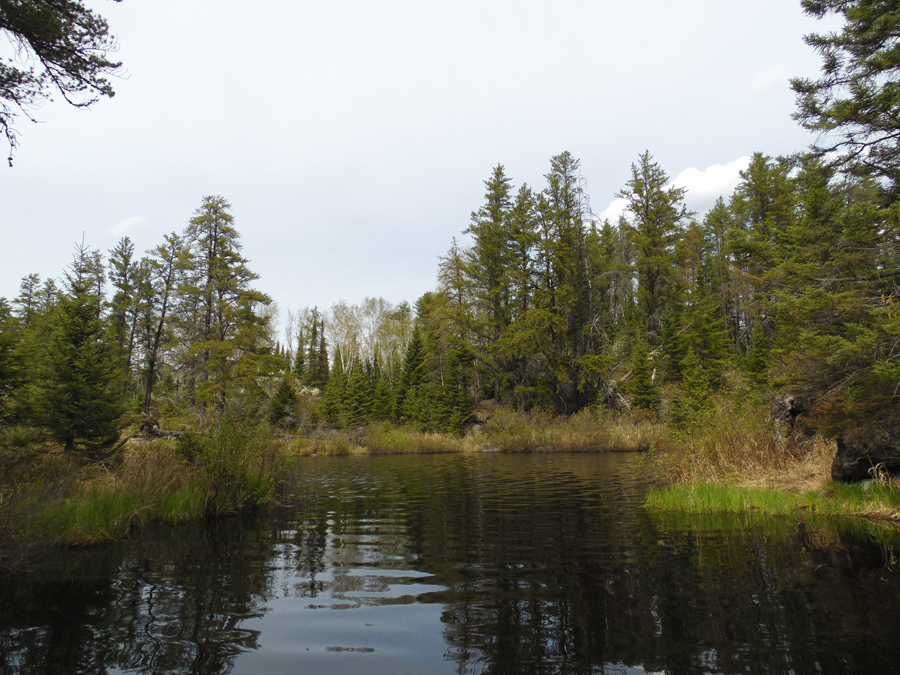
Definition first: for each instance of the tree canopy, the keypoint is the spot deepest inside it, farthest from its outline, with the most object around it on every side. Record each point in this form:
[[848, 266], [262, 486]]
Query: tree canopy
[[61, 46], [855, 104]]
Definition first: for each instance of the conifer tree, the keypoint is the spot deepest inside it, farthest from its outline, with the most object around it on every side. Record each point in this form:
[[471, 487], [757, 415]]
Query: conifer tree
[[359, 397], [281, 406], [657, 211], [757, 359], [299, 367], [11, 368], [78, 399], [407, 403], [642, 386], [334, 398], [692, 404]]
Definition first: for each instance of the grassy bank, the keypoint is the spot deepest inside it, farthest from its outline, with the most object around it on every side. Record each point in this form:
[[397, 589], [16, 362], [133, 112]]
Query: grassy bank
[[591, 430], [876, 501], [47, 496], [742, 460]]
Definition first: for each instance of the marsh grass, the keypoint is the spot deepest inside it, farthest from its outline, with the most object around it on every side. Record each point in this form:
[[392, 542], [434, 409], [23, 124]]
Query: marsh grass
[[382, 439], [870, 501], [148, 481], [743, 461], [590, 430], [742, 444], [228, 470]]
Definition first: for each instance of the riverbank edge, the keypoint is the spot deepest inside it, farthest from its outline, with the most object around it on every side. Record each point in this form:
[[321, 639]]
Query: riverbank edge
[[872, 500], [53, 499]]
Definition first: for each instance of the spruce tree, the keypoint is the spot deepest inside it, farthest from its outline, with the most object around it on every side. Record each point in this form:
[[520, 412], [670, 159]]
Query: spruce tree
[[642, 387], [281, 406], [692, 404], [79, 399], [334, 397], [11, 369], [758, 358]]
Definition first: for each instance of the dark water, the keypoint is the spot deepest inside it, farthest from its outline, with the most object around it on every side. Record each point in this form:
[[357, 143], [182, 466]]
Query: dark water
[[463, 564]]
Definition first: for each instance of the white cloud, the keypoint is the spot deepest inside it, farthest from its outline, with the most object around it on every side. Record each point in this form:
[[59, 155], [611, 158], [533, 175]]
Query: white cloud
[[121, 228], [613, 211], [703, 187], [718, 180]]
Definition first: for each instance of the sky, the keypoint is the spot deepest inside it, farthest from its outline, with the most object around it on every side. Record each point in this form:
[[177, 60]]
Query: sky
[[353, 137]]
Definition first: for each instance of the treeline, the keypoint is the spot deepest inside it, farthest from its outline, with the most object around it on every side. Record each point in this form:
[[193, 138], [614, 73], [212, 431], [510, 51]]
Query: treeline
[[791, 282], [181, 329]]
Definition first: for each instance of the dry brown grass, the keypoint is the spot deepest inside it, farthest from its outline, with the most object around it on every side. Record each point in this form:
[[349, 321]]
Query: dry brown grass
[[145, 468], [591, 430], [744, 446]]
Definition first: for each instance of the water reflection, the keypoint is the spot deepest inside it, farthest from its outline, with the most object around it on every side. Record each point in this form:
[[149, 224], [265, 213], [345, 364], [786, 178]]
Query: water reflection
[[483, 564]]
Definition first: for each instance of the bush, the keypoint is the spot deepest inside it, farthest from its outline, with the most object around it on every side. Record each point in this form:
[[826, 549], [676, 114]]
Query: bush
[[234, 466]]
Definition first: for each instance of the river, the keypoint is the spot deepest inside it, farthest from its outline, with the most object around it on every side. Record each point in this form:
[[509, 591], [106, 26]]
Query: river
[[490, 563]]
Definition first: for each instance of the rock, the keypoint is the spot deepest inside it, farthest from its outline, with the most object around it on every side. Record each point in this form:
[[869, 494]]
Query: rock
[[795, 412], [859, 451]]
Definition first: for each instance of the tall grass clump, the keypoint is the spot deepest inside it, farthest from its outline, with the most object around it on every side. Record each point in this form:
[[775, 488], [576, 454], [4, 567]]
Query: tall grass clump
[[388, 439], [878, 500], [589, 430], [107, 501], [741, 442]]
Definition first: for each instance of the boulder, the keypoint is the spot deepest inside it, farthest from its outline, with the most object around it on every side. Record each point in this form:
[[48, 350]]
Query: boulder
[[860, 451], [794, 411]]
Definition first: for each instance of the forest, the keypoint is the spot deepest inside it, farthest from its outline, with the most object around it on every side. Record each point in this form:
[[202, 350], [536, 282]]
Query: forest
[[789, 284], [780, 303]]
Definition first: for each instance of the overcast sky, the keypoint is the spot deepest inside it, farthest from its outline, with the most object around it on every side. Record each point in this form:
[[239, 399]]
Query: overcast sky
[[352, 137]]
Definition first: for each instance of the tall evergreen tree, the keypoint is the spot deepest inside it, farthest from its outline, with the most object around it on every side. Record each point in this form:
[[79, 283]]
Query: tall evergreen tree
[[657, 212], [78, 398]]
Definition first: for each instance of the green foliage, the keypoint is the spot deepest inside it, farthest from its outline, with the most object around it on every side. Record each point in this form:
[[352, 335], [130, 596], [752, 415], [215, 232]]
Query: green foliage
[[657, 211], [11, 370], [64, 45], [77, 396], [233, 465], [642, 386], [854, 105], [281, 406], [758, 358], [692, 402], [880, 500]]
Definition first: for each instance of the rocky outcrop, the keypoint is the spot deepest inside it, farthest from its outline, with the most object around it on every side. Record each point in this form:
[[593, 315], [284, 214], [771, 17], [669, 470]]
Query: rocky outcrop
[[861, 451], [795, 412]]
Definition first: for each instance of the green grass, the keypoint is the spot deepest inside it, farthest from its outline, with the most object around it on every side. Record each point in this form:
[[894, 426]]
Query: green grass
[[100, 515], [876, 501]]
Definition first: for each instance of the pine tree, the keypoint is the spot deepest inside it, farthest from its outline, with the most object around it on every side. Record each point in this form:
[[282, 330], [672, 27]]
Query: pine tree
[[409, 392], [359, 397], [692, 404], [11, 368], [853, 108], [455, 394], [281, 406], [657, 211], [334, 397], [642, 387], [79, 400], [758, 358]]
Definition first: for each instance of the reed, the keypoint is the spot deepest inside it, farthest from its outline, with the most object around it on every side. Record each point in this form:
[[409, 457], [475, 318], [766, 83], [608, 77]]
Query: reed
[[590, 430], [876, 501], [383, 439], [742, 444]]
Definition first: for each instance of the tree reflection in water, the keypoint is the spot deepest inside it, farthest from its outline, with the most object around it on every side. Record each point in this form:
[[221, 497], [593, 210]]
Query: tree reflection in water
[[466, 564]]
